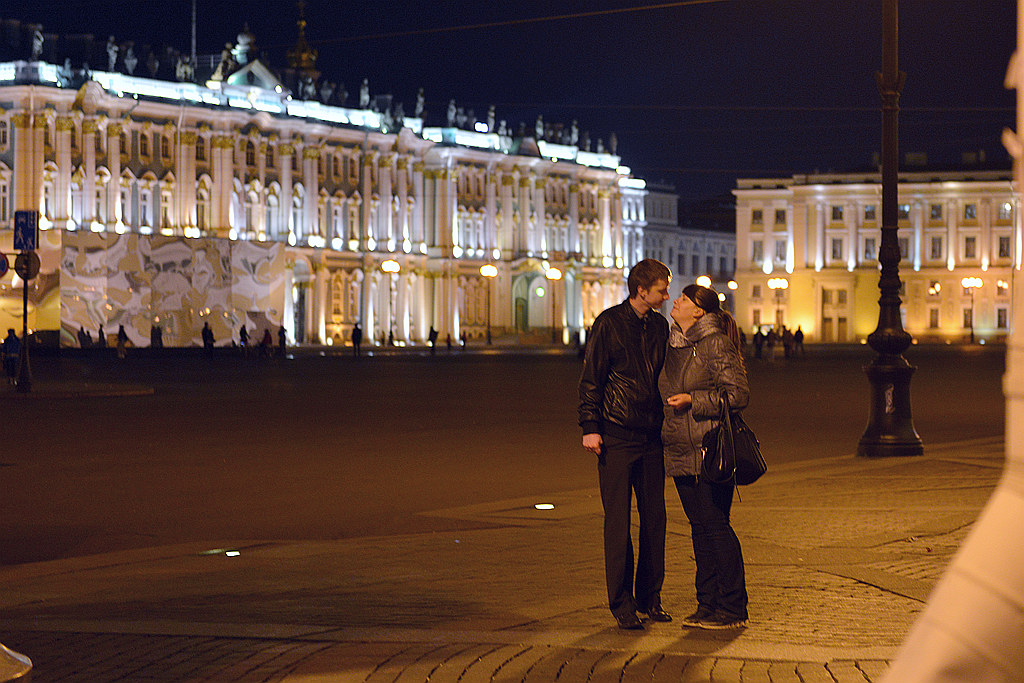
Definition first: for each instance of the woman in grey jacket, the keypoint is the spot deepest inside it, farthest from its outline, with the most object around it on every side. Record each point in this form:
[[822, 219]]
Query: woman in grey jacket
[[702, 361]]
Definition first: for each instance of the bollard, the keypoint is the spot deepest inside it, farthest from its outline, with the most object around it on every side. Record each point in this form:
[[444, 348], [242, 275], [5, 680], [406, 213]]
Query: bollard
[[14, 666]]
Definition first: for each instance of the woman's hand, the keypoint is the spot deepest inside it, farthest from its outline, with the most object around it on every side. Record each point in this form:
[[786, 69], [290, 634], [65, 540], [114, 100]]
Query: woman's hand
[[680, 402]]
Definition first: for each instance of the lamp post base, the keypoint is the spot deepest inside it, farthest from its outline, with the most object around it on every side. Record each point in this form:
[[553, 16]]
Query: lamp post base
[[890, 431]]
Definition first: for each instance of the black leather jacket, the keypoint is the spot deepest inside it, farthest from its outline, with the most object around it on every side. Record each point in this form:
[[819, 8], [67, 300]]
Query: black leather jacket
[[619, 384]]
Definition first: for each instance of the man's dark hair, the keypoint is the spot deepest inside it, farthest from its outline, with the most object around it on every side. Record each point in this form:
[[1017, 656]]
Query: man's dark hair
[[645, 274]]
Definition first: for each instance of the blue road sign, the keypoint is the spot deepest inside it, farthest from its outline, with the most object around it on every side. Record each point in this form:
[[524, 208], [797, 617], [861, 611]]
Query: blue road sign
[[26, 230], [5, 265]]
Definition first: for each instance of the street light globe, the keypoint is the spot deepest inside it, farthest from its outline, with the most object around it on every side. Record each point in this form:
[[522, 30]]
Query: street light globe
[[778, 283], [488, 270], [390, 266], [553, 274], [971, 282], [732, 285], [704, 281]]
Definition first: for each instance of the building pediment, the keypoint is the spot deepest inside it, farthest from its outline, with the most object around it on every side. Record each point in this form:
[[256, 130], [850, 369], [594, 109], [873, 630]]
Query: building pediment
[[255, 74]]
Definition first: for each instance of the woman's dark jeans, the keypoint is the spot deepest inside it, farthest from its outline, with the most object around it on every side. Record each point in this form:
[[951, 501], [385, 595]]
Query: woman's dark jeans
[[720, 582]]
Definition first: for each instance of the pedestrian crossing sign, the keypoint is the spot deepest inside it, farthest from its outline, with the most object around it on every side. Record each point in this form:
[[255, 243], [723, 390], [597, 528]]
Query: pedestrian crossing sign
[[26, 230]]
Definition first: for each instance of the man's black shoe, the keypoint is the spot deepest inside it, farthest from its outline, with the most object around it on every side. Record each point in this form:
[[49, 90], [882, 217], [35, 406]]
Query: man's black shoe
[[629, 622], [657, 614]]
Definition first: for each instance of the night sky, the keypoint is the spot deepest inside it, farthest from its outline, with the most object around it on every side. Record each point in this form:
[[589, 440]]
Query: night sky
[[698, 93]]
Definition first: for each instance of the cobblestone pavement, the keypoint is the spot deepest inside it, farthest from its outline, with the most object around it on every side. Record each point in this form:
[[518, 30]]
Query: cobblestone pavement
[[840, 554]]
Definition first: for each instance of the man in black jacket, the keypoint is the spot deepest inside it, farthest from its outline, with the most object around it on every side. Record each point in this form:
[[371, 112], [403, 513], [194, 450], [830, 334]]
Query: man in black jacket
[[620, 412]]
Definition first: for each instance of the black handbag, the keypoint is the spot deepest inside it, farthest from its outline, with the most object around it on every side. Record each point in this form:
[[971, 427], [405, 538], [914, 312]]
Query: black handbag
[[731, 452]]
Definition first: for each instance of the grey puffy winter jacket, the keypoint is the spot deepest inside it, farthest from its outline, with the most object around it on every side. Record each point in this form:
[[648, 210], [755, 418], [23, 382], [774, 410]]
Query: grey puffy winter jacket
[[700, 362]]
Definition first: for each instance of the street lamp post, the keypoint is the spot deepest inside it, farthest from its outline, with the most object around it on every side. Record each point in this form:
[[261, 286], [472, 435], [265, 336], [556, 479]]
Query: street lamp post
[[778, 285], [890, 430], [553, 275], [489, 272], [969, 283], [390, 267]]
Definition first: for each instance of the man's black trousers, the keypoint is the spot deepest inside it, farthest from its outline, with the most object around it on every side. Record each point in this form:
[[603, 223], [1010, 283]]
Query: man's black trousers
[[633, 465]]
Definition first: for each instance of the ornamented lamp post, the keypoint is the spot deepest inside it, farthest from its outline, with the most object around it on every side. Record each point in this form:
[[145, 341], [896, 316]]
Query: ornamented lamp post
[[969, 283], [778, 285], [553, 275], [489, 272], [390, 267], [890, 429]]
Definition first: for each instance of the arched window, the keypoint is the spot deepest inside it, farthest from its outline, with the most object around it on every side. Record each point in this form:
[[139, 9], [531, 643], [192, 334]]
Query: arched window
[[250, 154], [200, 148]]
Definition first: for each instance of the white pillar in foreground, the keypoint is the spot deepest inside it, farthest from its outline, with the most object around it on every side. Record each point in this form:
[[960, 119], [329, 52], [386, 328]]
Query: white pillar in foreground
[[973, 625]]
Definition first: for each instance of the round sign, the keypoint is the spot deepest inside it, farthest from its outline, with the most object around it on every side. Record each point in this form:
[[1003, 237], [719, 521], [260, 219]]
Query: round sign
[[4, 265], [26, 265]]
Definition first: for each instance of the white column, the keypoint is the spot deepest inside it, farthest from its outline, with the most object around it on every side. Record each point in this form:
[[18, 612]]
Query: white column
[[506, 230], [385, 215], [62, 185], [524, 233], [402, 230], [574, 219], [310, 180], [90, 127], [285, 152], [540, 225], [114, 184]]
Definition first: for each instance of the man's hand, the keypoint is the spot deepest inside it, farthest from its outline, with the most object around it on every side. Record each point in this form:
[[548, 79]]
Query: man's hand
[[592, 442]]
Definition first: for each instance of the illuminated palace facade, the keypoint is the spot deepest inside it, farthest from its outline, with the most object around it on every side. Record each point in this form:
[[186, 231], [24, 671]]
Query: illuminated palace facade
[[807, 254], [174, 204]]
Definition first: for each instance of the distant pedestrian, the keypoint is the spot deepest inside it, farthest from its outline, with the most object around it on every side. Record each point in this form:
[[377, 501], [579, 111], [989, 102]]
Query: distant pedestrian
[[743, 343], [122, 342], [758, 342], [432, 338], [243, 337], [207, 335], [282, 340], [448, 342], [787, 342], [156, 337], [12, 355], [462, 340], [84, 339], [266, 343], [769, 343], [101, 338], [357, 340], [798, 341]]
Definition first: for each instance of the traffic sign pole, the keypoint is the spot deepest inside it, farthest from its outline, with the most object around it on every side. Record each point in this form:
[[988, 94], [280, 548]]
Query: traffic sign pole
[[27, 267]]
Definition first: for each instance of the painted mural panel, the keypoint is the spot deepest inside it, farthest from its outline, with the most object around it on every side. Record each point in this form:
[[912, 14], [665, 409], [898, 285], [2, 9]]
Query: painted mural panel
[[175, 283]]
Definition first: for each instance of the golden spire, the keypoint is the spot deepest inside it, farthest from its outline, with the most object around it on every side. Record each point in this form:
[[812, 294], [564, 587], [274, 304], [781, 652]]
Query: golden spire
[[302, 57]]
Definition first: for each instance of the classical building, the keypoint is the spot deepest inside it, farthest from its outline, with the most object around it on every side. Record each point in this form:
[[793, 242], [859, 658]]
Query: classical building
[[238, 195], [807, 254], [689, 251]]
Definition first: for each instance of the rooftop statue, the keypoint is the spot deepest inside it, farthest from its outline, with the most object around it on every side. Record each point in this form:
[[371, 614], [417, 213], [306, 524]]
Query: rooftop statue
[[112, 50], [364, 94]]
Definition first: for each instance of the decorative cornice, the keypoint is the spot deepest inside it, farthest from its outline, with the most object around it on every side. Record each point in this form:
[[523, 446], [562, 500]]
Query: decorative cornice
[[311, 153], [90, 126], [386, 161], [524, 181], [286, 149], [189, 137], [403, 163], [114, 130], [223, 142], [507, 180], [64, 123], [418, 166]]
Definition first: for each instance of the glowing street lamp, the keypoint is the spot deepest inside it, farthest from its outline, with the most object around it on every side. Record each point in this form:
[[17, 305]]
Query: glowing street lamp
[[489, 272], [704, 281], [970, 283], [390, 267], [553, 274], [778, 284]]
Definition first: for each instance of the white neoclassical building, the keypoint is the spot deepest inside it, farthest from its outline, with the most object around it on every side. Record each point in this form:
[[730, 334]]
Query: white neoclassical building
[[233, 201], [819, 236], [689, 252]]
